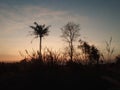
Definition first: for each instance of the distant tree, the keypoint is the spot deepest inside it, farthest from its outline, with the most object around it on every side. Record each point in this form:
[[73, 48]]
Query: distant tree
[[40, 31], [85, 47], [117, 59], [90, 52], [94, 54], [70, 33]]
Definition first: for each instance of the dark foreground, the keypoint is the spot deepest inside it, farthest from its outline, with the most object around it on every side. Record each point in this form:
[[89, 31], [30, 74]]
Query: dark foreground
[[21, 77]]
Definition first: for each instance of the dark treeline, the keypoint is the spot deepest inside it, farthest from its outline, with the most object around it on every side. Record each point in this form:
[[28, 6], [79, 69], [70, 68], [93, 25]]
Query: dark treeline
[[62, 70]]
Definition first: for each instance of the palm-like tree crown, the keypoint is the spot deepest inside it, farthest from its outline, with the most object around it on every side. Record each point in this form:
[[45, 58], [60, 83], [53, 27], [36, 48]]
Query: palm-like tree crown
[[40, 30]]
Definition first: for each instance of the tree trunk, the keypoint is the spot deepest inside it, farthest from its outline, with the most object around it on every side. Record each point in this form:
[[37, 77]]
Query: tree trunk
[[71, 51], [40, 55]]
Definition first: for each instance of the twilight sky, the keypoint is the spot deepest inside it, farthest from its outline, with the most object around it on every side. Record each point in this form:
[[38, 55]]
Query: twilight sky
[[98, 19]]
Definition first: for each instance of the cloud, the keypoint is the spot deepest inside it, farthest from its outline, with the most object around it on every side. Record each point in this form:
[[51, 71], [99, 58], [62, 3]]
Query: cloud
[[17, 17], [15, 22]]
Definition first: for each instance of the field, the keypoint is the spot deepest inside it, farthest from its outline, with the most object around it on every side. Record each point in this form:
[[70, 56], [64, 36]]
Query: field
[[36, 75]]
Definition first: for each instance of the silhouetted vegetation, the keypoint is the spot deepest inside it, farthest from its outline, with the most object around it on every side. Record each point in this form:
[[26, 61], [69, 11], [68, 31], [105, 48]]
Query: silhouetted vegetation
[[117, 59], [51, 72], [40, 31], [109, 49], [70, 33], [52, 69], [90, 52]]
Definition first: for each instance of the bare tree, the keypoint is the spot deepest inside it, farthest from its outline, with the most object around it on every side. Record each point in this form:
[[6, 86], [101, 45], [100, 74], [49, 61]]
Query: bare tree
[[39, 32], [70, 33]]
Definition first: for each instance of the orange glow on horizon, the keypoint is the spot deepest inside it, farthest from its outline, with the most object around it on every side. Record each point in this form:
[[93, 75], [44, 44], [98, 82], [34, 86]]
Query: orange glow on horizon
[[10, 58]]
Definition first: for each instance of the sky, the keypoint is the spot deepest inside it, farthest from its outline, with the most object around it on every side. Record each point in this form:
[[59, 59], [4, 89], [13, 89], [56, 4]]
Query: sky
[[99, 20]]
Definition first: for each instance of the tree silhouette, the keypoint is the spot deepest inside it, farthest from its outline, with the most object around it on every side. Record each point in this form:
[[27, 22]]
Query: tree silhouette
[[90, 52], [94, 54], [85, 47], [117, 59], [39, 32], [70, 32]]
